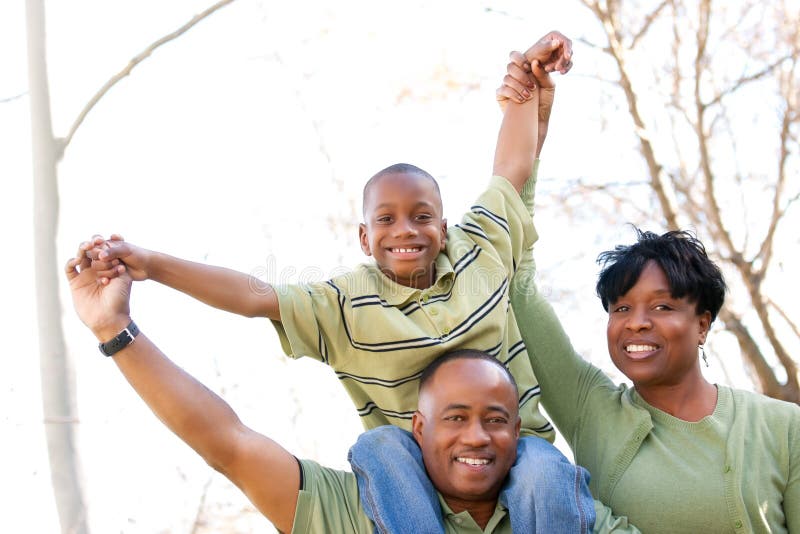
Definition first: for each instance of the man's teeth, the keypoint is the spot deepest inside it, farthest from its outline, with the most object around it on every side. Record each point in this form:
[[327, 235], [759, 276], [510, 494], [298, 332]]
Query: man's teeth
[[640, 348], [473, 461], [405, 249]]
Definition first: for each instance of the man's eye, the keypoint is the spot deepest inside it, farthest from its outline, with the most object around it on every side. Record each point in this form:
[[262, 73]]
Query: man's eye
[[455, 418], [498, 420]]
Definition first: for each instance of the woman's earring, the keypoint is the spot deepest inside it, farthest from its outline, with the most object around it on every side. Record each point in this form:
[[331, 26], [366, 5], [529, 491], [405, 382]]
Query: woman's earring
[[703, 354]]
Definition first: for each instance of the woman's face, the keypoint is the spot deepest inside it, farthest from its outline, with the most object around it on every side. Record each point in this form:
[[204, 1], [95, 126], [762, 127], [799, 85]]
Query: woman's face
[[652, 336]]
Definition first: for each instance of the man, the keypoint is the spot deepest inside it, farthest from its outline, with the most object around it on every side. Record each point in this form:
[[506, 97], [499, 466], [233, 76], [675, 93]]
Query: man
[[467, 425]]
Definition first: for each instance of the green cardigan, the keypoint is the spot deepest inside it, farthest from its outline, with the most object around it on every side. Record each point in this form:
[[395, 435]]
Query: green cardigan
[[610, 427]]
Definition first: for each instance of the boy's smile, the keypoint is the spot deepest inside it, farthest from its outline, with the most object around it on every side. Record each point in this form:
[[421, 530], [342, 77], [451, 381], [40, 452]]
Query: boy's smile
[[403, 227]]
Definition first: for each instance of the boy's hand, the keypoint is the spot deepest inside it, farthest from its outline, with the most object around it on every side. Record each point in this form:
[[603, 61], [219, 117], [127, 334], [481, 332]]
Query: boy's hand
[[114, 256], [553, 52]]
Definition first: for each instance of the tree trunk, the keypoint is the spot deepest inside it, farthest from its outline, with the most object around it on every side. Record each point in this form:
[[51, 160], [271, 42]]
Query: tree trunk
[[58, 384]]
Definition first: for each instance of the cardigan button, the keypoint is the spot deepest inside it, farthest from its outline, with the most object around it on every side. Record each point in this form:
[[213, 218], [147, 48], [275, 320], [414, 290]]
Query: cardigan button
[[738, 523]]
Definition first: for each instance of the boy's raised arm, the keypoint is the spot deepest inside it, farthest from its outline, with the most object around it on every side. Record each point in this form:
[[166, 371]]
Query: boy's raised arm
[[219, 287], [268, 474], [526, 118]]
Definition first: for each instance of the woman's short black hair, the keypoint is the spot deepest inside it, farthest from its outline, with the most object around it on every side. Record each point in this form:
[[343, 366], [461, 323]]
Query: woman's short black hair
[[680, 255]]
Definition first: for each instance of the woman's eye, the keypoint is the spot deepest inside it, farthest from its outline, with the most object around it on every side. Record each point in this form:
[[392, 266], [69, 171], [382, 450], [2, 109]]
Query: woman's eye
[[621, 309]]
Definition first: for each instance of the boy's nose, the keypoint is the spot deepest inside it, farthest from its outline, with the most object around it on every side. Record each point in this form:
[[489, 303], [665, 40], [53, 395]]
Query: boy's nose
[[404, 228]]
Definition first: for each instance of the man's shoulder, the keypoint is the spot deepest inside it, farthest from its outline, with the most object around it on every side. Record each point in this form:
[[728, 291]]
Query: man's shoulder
[[328, 501]]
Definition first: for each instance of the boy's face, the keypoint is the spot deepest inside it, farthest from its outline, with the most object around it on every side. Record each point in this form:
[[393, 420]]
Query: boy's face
[[403, 227]]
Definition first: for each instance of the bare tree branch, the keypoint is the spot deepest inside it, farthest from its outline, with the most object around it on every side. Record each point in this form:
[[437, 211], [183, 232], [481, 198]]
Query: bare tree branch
[[741, 82], [130, 66], [785, 317], [12, 98], [648, 21]]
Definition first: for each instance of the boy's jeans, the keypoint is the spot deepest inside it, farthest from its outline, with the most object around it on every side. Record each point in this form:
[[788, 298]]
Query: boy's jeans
[[544, 492]]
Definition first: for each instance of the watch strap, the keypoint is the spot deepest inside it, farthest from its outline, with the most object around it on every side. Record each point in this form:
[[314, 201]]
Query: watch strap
[[120, 341]]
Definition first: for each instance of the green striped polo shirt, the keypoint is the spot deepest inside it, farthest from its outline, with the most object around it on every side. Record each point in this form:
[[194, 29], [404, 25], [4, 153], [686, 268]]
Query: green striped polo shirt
[[378, 335], [328, 503]]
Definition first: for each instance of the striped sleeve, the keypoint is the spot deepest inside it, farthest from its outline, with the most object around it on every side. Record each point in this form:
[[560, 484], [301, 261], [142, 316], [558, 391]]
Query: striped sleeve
[[501, 223], [310, 321]]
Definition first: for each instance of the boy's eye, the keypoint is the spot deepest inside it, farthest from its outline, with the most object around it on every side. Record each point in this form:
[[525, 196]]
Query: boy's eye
[[424, 217], [663, 307], [384, 219]]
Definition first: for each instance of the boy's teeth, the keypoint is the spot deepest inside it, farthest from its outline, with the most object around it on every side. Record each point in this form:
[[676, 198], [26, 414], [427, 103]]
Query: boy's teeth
[[405, 250], [640, 348], [473, 461]]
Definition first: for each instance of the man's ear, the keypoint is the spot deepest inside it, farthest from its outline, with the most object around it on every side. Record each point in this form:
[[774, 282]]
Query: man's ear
[[417, 422], [444, 235], [517, 427], [362, 239]]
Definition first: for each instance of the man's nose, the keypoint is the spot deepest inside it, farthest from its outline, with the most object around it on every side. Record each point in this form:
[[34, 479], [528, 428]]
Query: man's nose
[[475, 435]]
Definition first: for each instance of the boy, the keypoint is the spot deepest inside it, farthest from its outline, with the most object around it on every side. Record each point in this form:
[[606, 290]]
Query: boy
[[430, 291]]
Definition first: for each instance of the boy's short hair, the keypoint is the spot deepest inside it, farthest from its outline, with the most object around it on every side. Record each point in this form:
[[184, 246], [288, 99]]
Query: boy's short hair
[[461, 354], [682, 257], [398, 168]]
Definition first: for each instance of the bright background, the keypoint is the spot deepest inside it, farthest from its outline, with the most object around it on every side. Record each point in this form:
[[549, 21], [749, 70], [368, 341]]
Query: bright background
[[245, 143]]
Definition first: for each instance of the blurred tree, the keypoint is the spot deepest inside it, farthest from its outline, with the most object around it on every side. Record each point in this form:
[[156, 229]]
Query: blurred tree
[[712, 98], [58, 385]]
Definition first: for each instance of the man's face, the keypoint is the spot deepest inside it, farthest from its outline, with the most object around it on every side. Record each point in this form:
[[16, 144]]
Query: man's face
[[403, 227], [467, 426]]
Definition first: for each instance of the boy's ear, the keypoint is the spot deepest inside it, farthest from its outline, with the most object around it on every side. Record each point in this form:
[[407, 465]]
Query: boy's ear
[[444, 235], [362, 239]]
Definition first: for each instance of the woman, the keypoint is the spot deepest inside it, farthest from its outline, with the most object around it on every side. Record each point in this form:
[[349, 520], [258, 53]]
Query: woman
[[674, 453]]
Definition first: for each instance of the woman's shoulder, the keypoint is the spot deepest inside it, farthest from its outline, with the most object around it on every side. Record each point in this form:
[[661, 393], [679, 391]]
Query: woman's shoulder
[[767, 406]]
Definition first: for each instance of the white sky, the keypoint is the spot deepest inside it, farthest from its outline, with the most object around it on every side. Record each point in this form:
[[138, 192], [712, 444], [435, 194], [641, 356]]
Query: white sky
[[211, 150]]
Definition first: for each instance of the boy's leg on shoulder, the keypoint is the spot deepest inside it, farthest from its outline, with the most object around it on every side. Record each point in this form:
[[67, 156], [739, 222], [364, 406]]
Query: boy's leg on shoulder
[[393, 485], [545, 492]]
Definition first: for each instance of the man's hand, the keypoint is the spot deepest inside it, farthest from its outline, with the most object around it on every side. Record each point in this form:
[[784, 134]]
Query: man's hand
[[104, 308]]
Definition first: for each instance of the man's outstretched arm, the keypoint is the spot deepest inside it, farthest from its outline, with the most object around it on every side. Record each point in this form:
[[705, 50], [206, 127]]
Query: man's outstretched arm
[[261, 468]]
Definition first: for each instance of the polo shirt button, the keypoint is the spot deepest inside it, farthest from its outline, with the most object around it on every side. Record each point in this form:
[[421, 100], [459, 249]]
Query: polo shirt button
[[458, 520], [445, 330], [434, 312], [425, 297], [738, 523], [727, 468]]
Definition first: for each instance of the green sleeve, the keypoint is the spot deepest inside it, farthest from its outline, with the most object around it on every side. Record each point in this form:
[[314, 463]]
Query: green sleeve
[[607, 522], [791, 496]]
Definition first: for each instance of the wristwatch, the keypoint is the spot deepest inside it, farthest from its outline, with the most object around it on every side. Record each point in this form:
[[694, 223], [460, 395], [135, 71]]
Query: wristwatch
[[122, 340]]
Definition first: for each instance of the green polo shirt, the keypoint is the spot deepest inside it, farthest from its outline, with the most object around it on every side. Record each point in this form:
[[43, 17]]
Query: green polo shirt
[[328, 503], [378, 335]]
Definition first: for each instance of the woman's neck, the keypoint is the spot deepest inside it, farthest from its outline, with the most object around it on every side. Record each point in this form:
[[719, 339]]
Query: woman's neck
[[689, 400]]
